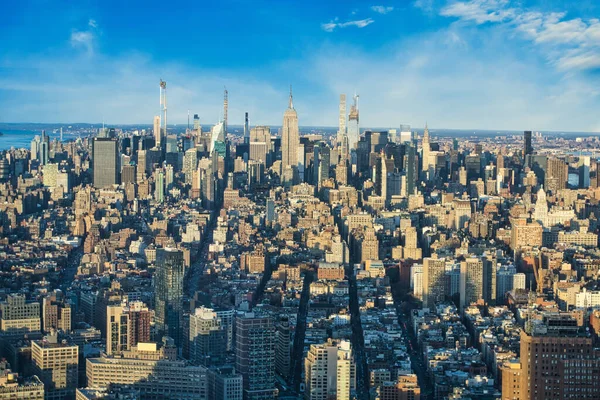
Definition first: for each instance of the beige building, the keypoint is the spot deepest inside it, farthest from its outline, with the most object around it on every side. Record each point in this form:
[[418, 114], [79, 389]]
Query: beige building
[[56, 364], [330, 371], [152, 370], [434, 280], [14, 388], [290, 140], [19, 315], [525, 233]]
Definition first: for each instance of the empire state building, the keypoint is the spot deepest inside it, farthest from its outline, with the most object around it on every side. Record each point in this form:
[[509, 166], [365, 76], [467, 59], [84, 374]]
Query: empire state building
[[290, 139]]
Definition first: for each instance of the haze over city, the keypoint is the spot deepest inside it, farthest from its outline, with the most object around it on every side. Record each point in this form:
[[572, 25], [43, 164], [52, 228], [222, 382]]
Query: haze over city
[[482, 64]]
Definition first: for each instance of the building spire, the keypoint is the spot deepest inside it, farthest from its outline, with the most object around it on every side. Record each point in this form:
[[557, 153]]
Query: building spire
[[291, 105]]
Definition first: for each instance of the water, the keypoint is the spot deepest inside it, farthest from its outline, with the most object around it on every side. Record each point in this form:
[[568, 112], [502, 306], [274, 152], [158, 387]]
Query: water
[[22, 138]]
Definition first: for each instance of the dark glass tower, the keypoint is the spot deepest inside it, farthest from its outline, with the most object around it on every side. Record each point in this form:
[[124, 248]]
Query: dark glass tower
[[528, 149], [168, 292]]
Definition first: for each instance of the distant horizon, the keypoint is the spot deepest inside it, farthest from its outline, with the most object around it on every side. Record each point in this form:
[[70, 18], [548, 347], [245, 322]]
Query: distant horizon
[[56, 125]]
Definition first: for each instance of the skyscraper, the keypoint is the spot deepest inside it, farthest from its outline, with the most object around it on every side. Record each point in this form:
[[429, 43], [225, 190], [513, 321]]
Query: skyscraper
[[157, 133], [127, 324], [207, 337], [353, 129], [329, 371], [321, 164], [434, 281], [426, 149], [471, 281], [255, 355], [44, 149], [159, 186], [528, 149], [290, 140], [163, 109], [342, 122], [168, 292], [105, 157], [557, 362]]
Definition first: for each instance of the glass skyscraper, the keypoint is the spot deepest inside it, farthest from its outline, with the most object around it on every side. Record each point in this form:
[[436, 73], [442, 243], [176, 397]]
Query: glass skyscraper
[[168, 292]]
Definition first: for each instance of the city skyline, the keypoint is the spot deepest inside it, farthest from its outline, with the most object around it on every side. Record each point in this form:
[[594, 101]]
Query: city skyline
[[485, 64]]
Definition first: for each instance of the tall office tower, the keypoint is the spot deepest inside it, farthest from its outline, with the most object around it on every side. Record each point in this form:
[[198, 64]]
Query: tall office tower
[[283, 347], [208, 186], [168, 292], [341, 173], [472, 276], [321, 164], [157, 133], [50, 174], [35, 148], [260, 144], [410, 169], [159, 186], [246, 129], [217, 136], [128, 174], [127, 324], [528, 148], [207, 338], [44, 149], [56, 364], [405, 134], [504, 281], [270, 211], [490, 269], [329, 371], [434, 280], [255, 355], [105, 157], [557, 174], [353, 127], [169, 176], [141, 166], [369, 249], [584, 172], [342, 120], [225, 109], [426, 150], [387, 170], [557, 362], [290, 139], [197, 127], [19, 315], [163, 109], [190, 164]]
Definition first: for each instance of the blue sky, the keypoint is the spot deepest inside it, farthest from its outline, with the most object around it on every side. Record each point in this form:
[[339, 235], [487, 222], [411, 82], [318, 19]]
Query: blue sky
[[481, 64]]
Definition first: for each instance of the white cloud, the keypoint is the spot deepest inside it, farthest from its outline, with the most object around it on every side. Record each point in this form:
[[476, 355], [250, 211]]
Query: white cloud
[[454, 85], [479, 11], [425, 5], [332, 25], [567, 43], [382, 9], [85, 39]]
